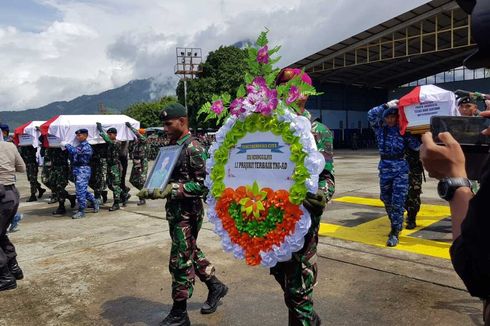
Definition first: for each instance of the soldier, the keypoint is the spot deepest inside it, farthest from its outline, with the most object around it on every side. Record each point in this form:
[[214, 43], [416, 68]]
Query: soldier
[[113, 164], [123, 158], [393, 168], [298, 276], [80, 158], [184, 212], [45, 174], [28, 154], [58, 175], [98, 179], [468, 107], [140, 162], [5, 133], [412, 204]]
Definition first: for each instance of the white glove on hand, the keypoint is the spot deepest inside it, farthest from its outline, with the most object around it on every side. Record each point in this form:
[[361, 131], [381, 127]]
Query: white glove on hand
[[63, 144], [392, 104]]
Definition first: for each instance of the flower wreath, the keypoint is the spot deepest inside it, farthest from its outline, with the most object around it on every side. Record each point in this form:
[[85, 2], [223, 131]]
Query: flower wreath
[[262, 225]]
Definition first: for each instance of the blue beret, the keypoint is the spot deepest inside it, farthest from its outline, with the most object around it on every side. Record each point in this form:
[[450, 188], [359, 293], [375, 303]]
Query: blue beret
[[4, 127], [81, 131]]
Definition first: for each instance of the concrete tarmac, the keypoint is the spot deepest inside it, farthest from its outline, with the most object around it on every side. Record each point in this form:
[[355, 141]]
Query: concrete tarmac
[[111, 269]]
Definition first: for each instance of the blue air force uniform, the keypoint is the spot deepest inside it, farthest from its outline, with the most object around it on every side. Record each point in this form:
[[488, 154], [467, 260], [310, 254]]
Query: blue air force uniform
[[80, 159], [393, 168]]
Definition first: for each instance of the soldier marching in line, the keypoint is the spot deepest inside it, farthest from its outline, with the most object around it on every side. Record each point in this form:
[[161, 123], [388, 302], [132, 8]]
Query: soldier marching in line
[[185, 212], [416, 170], [98, 179], [140, 162], [113, 164], [28, 154]]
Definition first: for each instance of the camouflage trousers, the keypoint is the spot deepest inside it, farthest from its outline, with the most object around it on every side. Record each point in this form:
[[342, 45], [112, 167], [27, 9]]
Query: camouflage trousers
[[98, 179], [32, 170], [394, 187], [45, 177], [412, 204], [186, 259], [114, 181], [56, 179], [297, 277], [138, 173], [82, 176]]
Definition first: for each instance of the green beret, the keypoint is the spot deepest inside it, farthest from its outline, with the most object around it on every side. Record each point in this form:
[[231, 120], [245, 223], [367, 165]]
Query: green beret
[[173, 111]]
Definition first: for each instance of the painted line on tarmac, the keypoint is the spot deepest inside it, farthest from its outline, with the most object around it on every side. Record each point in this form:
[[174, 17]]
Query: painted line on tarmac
[[375, 232]]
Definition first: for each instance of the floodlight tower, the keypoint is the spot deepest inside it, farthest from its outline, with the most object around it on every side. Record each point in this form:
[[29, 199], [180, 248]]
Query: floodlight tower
[[188, 65]]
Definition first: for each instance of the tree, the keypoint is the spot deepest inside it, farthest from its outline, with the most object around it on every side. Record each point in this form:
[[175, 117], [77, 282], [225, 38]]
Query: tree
[[148, 113], [222, 72]]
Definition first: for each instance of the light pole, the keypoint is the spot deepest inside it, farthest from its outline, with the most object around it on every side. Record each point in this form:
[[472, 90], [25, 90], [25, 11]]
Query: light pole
[[188, 65]]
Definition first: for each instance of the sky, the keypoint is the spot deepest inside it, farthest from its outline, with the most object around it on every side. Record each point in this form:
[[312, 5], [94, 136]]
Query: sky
[[53, 50]]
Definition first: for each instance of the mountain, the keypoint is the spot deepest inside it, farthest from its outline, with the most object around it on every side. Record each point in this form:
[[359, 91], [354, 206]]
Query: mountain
[[112, 101]]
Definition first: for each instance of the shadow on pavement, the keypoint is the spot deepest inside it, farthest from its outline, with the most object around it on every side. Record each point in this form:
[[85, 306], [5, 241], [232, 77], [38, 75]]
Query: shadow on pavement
[[463, 307]]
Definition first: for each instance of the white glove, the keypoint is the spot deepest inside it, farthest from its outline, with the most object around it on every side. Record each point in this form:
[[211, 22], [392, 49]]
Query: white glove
[[63, 144], [392, 104]]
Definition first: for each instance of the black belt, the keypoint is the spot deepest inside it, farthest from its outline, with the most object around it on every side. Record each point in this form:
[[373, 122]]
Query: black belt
[[392, 157]]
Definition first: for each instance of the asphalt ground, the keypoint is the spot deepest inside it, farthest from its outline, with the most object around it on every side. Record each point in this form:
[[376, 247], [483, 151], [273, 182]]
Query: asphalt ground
[[111, 268]]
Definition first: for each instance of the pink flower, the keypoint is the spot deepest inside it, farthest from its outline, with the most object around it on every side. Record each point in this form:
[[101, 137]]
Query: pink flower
[[268, 102], [257, 85], [217, 107], [293, 95], [263, 55], [236, 107]]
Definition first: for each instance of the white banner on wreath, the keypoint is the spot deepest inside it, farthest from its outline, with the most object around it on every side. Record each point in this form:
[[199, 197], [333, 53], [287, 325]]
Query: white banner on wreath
[[262, 157]]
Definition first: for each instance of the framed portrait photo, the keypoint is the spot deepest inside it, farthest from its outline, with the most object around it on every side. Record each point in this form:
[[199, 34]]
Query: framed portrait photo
[[163, 167]]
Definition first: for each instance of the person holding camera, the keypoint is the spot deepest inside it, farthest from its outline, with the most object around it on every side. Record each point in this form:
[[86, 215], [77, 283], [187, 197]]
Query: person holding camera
[[470, 220], [10, 163]]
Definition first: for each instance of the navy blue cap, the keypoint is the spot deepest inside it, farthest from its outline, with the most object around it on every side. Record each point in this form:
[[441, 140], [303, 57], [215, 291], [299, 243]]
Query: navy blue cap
[[4, 127], [390, 111], [81, 131]]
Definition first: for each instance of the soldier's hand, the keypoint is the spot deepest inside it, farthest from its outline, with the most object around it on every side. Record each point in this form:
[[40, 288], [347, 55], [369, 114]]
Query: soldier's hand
[[392, 104], [128, 124], [315, 203], [161, 194], [143, 193]]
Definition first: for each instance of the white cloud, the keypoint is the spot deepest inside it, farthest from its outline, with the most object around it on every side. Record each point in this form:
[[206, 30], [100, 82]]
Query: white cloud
[[97, 45]]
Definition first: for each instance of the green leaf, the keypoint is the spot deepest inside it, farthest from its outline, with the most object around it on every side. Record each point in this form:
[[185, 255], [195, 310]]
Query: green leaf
[[260, 206], [256, 214], [241, 91]]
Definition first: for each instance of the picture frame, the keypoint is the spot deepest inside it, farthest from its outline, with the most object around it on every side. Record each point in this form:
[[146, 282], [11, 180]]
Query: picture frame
[[162, 169]]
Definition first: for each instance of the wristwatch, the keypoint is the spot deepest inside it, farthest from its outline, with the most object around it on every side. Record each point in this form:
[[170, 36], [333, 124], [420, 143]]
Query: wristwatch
[[447, 187]]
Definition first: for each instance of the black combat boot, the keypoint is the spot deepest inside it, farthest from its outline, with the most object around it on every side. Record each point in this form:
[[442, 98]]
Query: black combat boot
[[32, 198], [126, 198], [217, 290], [61, 210], [393, 238], [104, 196], [15, 269], [53, 199], [177, 316], [410, 222], [41, 192], [7, 280], [140, 202], [115, 206], [73, 200]]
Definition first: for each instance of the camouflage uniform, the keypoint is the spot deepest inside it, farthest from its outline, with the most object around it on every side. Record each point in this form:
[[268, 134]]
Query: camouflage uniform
[[80, 158], [393, 168], [113, 167], [184, 212], [140, 162], [28, 154], [56, 172], [412, 204], [298, 276], [98, 163]]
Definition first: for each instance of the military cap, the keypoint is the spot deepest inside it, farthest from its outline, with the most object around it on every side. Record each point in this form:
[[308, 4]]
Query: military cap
[[112, 130], [81, 131], [465, 100], [4, 127], [173, 111], [390, 111]]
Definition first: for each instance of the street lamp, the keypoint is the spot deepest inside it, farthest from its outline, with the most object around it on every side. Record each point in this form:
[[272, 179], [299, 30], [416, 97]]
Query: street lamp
[[188, 65]]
